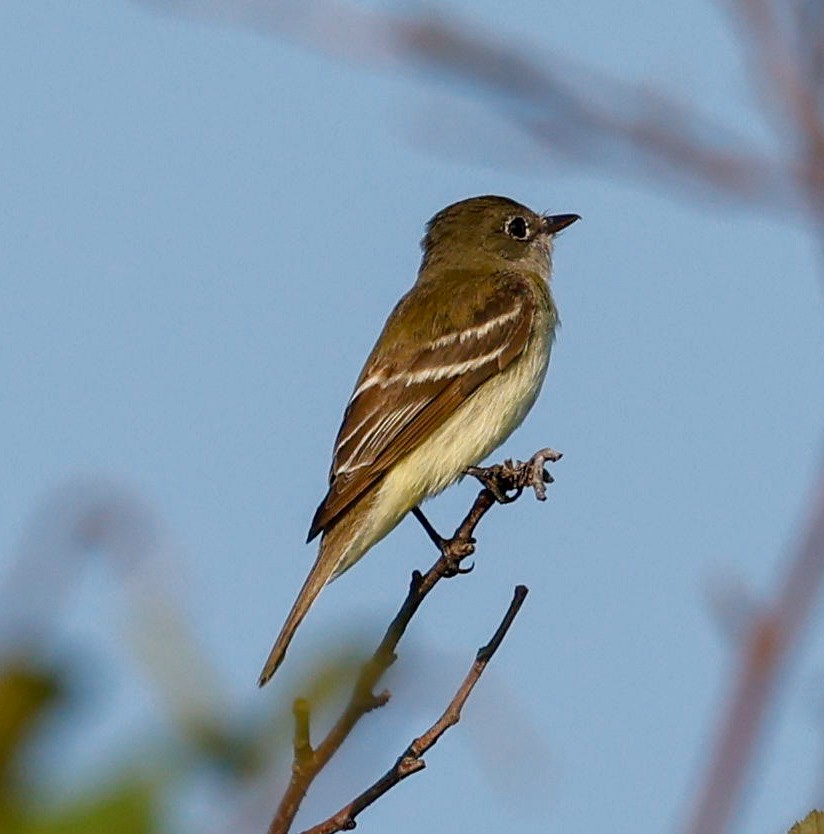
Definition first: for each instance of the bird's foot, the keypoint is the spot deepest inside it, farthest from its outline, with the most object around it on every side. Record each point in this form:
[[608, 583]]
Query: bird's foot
[[498, 480], [434, 536], [454, 551], [508, 480]]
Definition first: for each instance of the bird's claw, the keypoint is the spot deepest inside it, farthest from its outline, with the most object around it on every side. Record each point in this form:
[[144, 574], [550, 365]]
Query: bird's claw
[[454, 552], [494, 478], [454, 567]]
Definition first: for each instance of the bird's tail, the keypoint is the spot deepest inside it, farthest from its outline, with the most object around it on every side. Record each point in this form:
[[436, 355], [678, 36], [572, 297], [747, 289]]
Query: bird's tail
[[322, 572]]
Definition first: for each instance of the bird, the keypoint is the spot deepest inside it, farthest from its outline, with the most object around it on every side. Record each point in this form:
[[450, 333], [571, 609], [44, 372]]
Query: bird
[[459, 363]]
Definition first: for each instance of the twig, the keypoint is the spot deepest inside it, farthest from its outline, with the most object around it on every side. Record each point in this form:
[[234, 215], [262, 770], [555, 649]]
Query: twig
[[308, 762], [411, 760]]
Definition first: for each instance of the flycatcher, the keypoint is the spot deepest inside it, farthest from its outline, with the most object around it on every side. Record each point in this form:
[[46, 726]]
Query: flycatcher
[[458, 365]]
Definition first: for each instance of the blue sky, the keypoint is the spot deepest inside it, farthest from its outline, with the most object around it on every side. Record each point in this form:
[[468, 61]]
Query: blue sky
[[203, 229]]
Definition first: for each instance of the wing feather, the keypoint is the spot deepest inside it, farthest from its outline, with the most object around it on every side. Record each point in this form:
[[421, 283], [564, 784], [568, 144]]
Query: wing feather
[[401, 399]]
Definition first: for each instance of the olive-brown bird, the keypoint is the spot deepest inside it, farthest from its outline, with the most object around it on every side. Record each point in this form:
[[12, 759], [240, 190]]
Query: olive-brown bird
[[458, 365]]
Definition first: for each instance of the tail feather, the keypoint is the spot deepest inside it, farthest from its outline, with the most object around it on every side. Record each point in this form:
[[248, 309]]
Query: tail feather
[[322, 572]]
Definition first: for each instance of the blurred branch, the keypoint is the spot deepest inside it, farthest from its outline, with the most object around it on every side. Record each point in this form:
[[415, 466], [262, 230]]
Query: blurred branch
[[411, 760], [774, 632], [785, 42], [499, 481], [576, 112], [785, 45]]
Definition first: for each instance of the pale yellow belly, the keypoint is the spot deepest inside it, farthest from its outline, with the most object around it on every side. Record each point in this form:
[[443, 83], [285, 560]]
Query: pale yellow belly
[[478, 427]]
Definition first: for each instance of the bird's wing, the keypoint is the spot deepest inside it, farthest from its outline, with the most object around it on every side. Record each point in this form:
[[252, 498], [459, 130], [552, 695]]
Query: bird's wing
[[402, 398]]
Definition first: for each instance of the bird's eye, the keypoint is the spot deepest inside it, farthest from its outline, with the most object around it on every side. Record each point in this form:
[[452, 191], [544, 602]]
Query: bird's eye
[[518, 228]]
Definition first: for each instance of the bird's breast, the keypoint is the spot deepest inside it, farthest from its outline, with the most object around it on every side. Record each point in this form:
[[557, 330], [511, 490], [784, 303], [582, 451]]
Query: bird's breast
[[478, 427]]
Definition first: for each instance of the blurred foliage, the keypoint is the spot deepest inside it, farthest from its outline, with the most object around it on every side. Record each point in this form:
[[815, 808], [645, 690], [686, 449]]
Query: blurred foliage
[[127, 808], [142, 781], [813, 823], [25, 694], [28, 695], [211, 741]]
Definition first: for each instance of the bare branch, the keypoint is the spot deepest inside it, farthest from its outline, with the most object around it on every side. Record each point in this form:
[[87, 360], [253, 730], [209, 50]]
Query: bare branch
[[411, 760], [308, 762]]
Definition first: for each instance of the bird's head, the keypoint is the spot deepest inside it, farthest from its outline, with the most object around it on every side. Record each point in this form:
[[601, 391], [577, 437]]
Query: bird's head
[[491, 233]]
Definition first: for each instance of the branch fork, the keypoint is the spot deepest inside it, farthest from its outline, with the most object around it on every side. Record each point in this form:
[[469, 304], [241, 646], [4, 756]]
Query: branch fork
[[501, 484]]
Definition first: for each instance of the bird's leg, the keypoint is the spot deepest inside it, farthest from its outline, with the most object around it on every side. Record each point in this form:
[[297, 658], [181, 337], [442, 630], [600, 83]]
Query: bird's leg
[[438, 540], [453, 550]]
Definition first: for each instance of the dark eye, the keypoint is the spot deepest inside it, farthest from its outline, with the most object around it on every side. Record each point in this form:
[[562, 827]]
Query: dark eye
[[518, 228]]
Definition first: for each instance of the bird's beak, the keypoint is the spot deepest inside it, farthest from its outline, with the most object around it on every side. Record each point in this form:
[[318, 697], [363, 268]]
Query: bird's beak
[[553, 223]]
